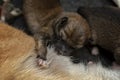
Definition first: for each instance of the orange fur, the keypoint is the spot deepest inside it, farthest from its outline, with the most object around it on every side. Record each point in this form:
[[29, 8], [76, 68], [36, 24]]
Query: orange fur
[[15, 47]]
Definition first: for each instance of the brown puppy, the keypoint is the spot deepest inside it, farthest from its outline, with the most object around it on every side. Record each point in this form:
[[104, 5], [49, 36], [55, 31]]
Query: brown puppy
[[41, 15], [105, 26], [18, 61]]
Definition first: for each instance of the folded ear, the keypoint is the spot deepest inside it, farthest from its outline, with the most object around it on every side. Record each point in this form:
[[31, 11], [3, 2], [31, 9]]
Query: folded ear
[[59, 25]]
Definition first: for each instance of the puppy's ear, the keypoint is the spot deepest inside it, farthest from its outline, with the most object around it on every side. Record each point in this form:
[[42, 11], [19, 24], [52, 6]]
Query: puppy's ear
[[59, 25]]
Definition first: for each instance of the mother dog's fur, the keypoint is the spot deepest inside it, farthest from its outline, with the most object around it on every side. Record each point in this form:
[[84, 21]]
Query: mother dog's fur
[[18, 61]]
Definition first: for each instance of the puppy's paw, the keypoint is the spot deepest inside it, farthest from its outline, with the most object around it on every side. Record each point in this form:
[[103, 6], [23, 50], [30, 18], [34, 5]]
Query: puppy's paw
[[95, 51], [42, 63]]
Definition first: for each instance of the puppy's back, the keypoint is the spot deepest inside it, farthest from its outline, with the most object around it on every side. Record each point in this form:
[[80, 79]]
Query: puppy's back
[[106, 22], [105, 27]]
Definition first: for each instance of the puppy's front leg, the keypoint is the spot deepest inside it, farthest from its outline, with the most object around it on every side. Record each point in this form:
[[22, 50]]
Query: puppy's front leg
[[41, 49]]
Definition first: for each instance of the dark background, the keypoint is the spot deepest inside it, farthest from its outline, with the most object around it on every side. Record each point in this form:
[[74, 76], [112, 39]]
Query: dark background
[[72, 5]]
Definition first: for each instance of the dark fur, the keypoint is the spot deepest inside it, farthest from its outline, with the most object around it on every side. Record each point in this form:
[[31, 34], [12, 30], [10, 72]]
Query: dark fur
[[83, 55], [105, 26], [80, 55]]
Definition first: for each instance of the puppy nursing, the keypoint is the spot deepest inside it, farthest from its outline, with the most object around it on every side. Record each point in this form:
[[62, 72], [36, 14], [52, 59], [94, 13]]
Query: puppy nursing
[[41, 15], [66, 32]]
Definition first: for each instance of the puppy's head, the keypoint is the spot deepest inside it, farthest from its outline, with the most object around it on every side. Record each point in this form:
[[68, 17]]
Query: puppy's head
[[72, 28]]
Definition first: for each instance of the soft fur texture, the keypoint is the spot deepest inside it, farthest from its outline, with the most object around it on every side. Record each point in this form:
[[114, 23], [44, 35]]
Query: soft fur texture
[[18, 61], [42, 15], [105, 27], [15, 48]]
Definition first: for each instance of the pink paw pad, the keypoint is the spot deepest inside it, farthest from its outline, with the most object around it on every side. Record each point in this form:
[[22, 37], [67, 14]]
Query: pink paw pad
[[42, 63], [95, 51], [90, 63]]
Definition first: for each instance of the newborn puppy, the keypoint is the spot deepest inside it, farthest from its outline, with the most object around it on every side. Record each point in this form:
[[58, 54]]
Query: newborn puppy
[[41, 15], [89, 54], [105, 27]]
